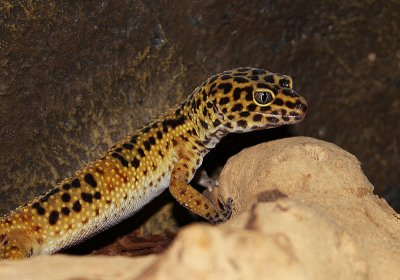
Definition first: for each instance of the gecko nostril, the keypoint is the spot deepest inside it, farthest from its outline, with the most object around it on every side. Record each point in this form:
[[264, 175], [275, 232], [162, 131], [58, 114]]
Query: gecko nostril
[[301, 106]]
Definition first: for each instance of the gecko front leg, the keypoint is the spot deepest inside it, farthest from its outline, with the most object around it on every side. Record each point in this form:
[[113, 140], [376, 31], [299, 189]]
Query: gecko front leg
[[190, 198]]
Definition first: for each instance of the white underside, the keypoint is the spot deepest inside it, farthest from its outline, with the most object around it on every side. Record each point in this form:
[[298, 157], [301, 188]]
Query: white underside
[[115, 213]]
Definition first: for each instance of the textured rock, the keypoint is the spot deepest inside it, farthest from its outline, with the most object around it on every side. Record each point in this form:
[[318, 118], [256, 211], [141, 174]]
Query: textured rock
[[309, 213], [303, 210], [60, 267]]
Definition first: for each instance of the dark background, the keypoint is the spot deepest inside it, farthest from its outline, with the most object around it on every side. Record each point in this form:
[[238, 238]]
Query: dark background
[[78, 75]]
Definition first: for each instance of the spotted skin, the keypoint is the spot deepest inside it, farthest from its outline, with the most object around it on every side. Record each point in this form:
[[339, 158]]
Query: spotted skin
[[165, 153]]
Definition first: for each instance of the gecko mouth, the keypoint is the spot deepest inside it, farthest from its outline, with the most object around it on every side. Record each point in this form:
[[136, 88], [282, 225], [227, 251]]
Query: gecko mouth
[[293, 117]]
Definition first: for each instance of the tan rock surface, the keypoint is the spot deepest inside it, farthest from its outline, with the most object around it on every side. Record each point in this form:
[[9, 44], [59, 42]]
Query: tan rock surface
[[303, 210], [62, 267], [317, 218]]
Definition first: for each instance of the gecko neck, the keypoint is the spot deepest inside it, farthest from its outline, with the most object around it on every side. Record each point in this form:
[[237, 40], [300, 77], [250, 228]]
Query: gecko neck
[[207, 123]]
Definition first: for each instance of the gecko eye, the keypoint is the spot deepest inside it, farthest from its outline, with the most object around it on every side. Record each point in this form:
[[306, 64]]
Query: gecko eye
[[263, 97]]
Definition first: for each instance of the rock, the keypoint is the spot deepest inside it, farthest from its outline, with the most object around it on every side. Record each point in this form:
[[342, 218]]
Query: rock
[[303, 210], [60, 267]]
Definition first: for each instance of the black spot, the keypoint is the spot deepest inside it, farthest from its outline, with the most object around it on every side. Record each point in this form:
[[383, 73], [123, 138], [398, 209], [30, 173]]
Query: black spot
[[225, 77], [269, 78], [65, 211], [237, 107], [165, 125], [242, 123], [141, 152], [265, 108], [243, 69], [225, 86], [178, 121], [216, 123], [76, 183], [249, 96], [236, 93], [65, 197], [154, 125], [257, 117], [290, 92], [49, 194], [135, 163], [178, 111], [39, 208], [45, 198], [134, 139], [213, 78], [54, 191], [90, 180], [198, 102], [204, 124], [53, 217], [251, 107], [127, 146], [240, 80], [254, 78], [41, 211], [258, 72], [87, 197], [118, 150], [123, 161], [278, 102], [244, 114], [147, 145], [262, 85], [224, 101], [66, 186], [77, 207], [152, 140], [284, 82], [205, 112], [204, 95], [290, 104], [192, 105], [97, 195], [272, 119], [159, 135], [146, 129]]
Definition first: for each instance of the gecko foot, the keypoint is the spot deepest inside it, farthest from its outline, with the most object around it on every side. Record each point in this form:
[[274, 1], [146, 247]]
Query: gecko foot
[[223, 215]]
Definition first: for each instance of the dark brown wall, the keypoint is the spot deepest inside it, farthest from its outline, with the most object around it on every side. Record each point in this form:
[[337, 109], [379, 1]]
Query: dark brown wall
[[77, 75]]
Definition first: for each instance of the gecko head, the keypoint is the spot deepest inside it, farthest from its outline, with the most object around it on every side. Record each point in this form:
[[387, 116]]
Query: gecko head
[[246, 99]]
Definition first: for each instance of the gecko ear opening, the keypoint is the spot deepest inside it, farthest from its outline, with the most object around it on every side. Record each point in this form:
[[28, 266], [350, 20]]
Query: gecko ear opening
[[217, 113]]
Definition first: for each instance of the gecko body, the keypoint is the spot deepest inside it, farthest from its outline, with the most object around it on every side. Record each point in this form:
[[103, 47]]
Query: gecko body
[[163, 154]]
